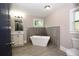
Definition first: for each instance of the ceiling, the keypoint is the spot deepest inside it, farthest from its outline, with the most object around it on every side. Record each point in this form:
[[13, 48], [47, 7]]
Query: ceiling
[[35, 9]]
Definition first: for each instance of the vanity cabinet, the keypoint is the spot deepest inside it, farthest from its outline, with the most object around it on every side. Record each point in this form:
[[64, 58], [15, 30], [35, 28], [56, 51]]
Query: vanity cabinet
[[17, 30], [17, 39]]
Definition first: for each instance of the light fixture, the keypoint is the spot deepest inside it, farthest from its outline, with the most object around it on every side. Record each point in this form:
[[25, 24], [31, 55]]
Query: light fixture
[[47, 7], [17, 14]]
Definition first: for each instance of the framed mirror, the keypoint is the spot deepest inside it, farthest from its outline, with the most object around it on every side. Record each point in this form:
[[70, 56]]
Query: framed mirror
[[18, 24]]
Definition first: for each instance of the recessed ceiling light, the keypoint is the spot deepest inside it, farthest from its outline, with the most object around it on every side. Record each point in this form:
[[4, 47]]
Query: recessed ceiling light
[[47, 7]]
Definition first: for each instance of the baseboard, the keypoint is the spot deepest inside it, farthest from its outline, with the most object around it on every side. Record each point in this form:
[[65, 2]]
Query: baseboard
[[63, 48]]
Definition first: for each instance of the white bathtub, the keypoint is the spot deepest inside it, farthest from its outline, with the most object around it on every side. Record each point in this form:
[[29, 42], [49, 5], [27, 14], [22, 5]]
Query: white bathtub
[[40, 40]]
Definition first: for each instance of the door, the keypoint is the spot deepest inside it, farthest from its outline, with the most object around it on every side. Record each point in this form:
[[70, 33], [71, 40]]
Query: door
[[5, 35]]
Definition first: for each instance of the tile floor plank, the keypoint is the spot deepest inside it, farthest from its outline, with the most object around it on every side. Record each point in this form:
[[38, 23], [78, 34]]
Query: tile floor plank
[[30, 50]]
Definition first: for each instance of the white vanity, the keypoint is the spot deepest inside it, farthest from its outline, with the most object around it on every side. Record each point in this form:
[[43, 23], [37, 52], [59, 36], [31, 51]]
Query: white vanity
[[17, 31], [17, 38]]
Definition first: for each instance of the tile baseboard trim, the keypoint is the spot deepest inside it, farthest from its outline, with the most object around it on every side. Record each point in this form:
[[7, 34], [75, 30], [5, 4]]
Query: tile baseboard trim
[[63, 48]]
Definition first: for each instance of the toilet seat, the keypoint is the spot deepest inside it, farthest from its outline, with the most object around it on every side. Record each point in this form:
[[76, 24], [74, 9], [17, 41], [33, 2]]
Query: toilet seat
[[72, 52]]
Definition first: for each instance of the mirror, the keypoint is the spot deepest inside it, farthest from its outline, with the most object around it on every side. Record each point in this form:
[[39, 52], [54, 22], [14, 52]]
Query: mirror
[[18, 24]]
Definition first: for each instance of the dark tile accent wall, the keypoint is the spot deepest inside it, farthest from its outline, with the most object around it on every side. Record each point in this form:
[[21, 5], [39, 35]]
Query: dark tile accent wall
[[53, 32], [36, 31]]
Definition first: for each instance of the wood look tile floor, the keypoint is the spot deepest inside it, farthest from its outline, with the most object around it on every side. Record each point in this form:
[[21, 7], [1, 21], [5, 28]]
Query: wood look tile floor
[[30, 50]]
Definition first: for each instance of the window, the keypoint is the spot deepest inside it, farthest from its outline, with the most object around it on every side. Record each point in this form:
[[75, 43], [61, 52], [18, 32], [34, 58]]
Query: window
[[38, 23], [74, 20]]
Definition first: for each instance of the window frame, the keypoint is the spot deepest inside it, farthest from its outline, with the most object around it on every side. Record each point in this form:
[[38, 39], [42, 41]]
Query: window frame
[[71, 20]]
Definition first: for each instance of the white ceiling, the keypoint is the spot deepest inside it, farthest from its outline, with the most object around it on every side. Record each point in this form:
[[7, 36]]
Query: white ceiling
[[36, 9]]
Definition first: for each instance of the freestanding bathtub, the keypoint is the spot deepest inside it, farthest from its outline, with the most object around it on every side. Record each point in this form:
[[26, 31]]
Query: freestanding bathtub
[[40, 40]]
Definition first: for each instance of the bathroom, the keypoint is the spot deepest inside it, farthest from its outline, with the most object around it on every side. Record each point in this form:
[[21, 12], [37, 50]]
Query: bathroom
[[43, 29], [32, 26]]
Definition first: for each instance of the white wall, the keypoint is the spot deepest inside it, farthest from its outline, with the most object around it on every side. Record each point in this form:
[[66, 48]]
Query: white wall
[[60, 17]]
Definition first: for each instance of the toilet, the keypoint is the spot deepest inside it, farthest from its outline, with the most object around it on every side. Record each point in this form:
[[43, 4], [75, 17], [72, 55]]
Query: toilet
[[75, 50]]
